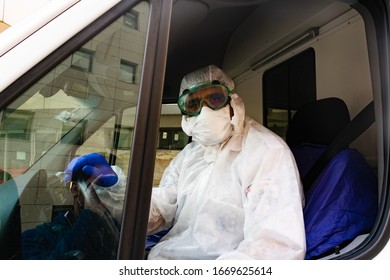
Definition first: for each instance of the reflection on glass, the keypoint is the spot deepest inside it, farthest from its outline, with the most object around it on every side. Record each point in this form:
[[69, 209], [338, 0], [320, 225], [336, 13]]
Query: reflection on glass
[[73, 110]]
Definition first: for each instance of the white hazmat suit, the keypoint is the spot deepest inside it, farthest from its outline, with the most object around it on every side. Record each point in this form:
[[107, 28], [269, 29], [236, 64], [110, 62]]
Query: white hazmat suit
[[233, 193]]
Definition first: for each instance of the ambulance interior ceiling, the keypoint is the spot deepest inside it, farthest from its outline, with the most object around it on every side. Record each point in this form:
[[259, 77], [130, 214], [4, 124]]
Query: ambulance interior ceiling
[[234, 34]]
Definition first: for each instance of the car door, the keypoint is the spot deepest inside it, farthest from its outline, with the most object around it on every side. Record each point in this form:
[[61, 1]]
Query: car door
[[100, 91]]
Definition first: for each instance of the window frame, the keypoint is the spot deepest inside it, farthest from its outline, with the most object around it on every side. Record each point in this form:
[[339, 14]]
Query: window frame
[[131, 15], [376, 18], [292, 89], [87, 53], [133, 66]]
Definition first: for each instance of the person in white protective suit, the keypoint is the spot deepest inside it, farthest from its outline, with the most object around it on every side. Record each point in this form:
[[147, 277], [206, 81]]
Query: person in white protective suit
[[234, 192]]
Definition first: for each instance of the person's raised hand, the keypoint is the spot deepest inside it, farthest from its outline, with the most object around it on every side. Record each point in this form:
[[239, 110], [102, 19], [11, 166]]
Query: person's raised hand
[[91, 167]]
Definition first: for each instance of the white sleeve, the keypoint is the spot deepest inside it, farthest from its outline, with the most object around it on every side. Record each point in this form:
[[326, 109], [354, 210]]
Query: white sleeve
[[164, 199]]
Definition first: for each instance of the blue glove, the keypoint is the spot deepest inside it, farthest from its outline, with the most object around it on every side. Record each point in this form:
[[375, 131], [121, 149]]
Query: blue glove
[[92, 166]]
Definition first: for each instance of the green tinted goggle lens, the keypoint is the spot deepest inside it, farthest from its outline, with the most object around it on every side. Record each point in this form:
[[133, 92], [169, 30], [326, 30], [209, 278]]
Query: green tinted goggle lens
[[215, 96]]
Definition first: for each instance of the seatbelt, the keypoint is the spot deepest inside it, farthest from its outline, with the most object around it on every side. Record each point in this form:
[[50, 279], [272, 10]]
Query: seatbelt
[[360, 123]]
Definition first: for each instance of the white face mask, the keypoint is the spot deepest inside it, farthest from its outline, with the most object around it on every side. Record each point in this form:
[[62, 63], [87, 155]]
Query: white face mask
[[210, 127]]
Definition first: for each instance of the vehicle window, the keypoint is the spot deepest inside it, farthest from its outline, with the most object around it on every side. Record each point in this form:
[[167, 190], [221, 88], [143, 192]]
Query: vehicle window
[[287, 87], [171, 140], [84, 105]]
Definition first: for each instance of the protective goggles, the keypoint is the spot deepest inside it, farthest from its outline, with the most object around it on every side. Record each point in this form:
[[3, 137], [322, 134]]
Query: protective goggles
[[191, 101]]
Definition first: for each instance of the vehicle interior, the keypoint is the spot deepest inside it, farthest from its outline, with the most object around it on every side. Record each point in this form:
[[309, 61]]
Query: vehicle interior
[[305, 69]]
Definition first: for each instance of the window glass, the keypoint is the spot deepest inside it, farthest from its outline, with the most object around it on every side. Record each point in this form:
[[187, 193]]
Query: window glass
[[286, 88], [82, 106], [131, 19], [128, 71], [82, 60], [171, 140]]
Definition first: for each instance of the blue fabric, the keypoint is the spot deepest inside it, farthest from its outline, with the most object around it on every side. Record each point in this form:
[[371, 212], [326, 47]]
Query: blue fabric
[[342, 202], [153, 239], [87, 238]]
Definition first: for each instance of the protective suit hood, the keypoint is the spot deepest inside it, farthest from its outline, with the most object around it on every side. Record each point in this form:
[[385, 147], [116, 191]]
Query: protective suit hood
[[207, 75]]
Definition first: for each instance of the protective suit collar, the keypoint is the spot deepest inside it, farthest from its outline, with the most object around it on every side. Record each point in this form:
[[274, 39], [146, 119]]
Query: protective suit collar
[[238, 119]]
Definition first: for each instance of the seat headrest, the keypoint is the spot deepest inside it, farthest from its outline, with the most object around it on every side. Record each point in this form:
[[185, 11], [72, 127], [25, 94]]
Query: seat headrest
[[318, 122]]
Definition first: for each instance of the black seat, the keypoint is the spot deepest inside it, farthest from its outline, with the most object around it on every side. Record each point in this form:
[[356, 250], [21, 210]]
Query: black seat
[[341, 201], [318, 122]]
